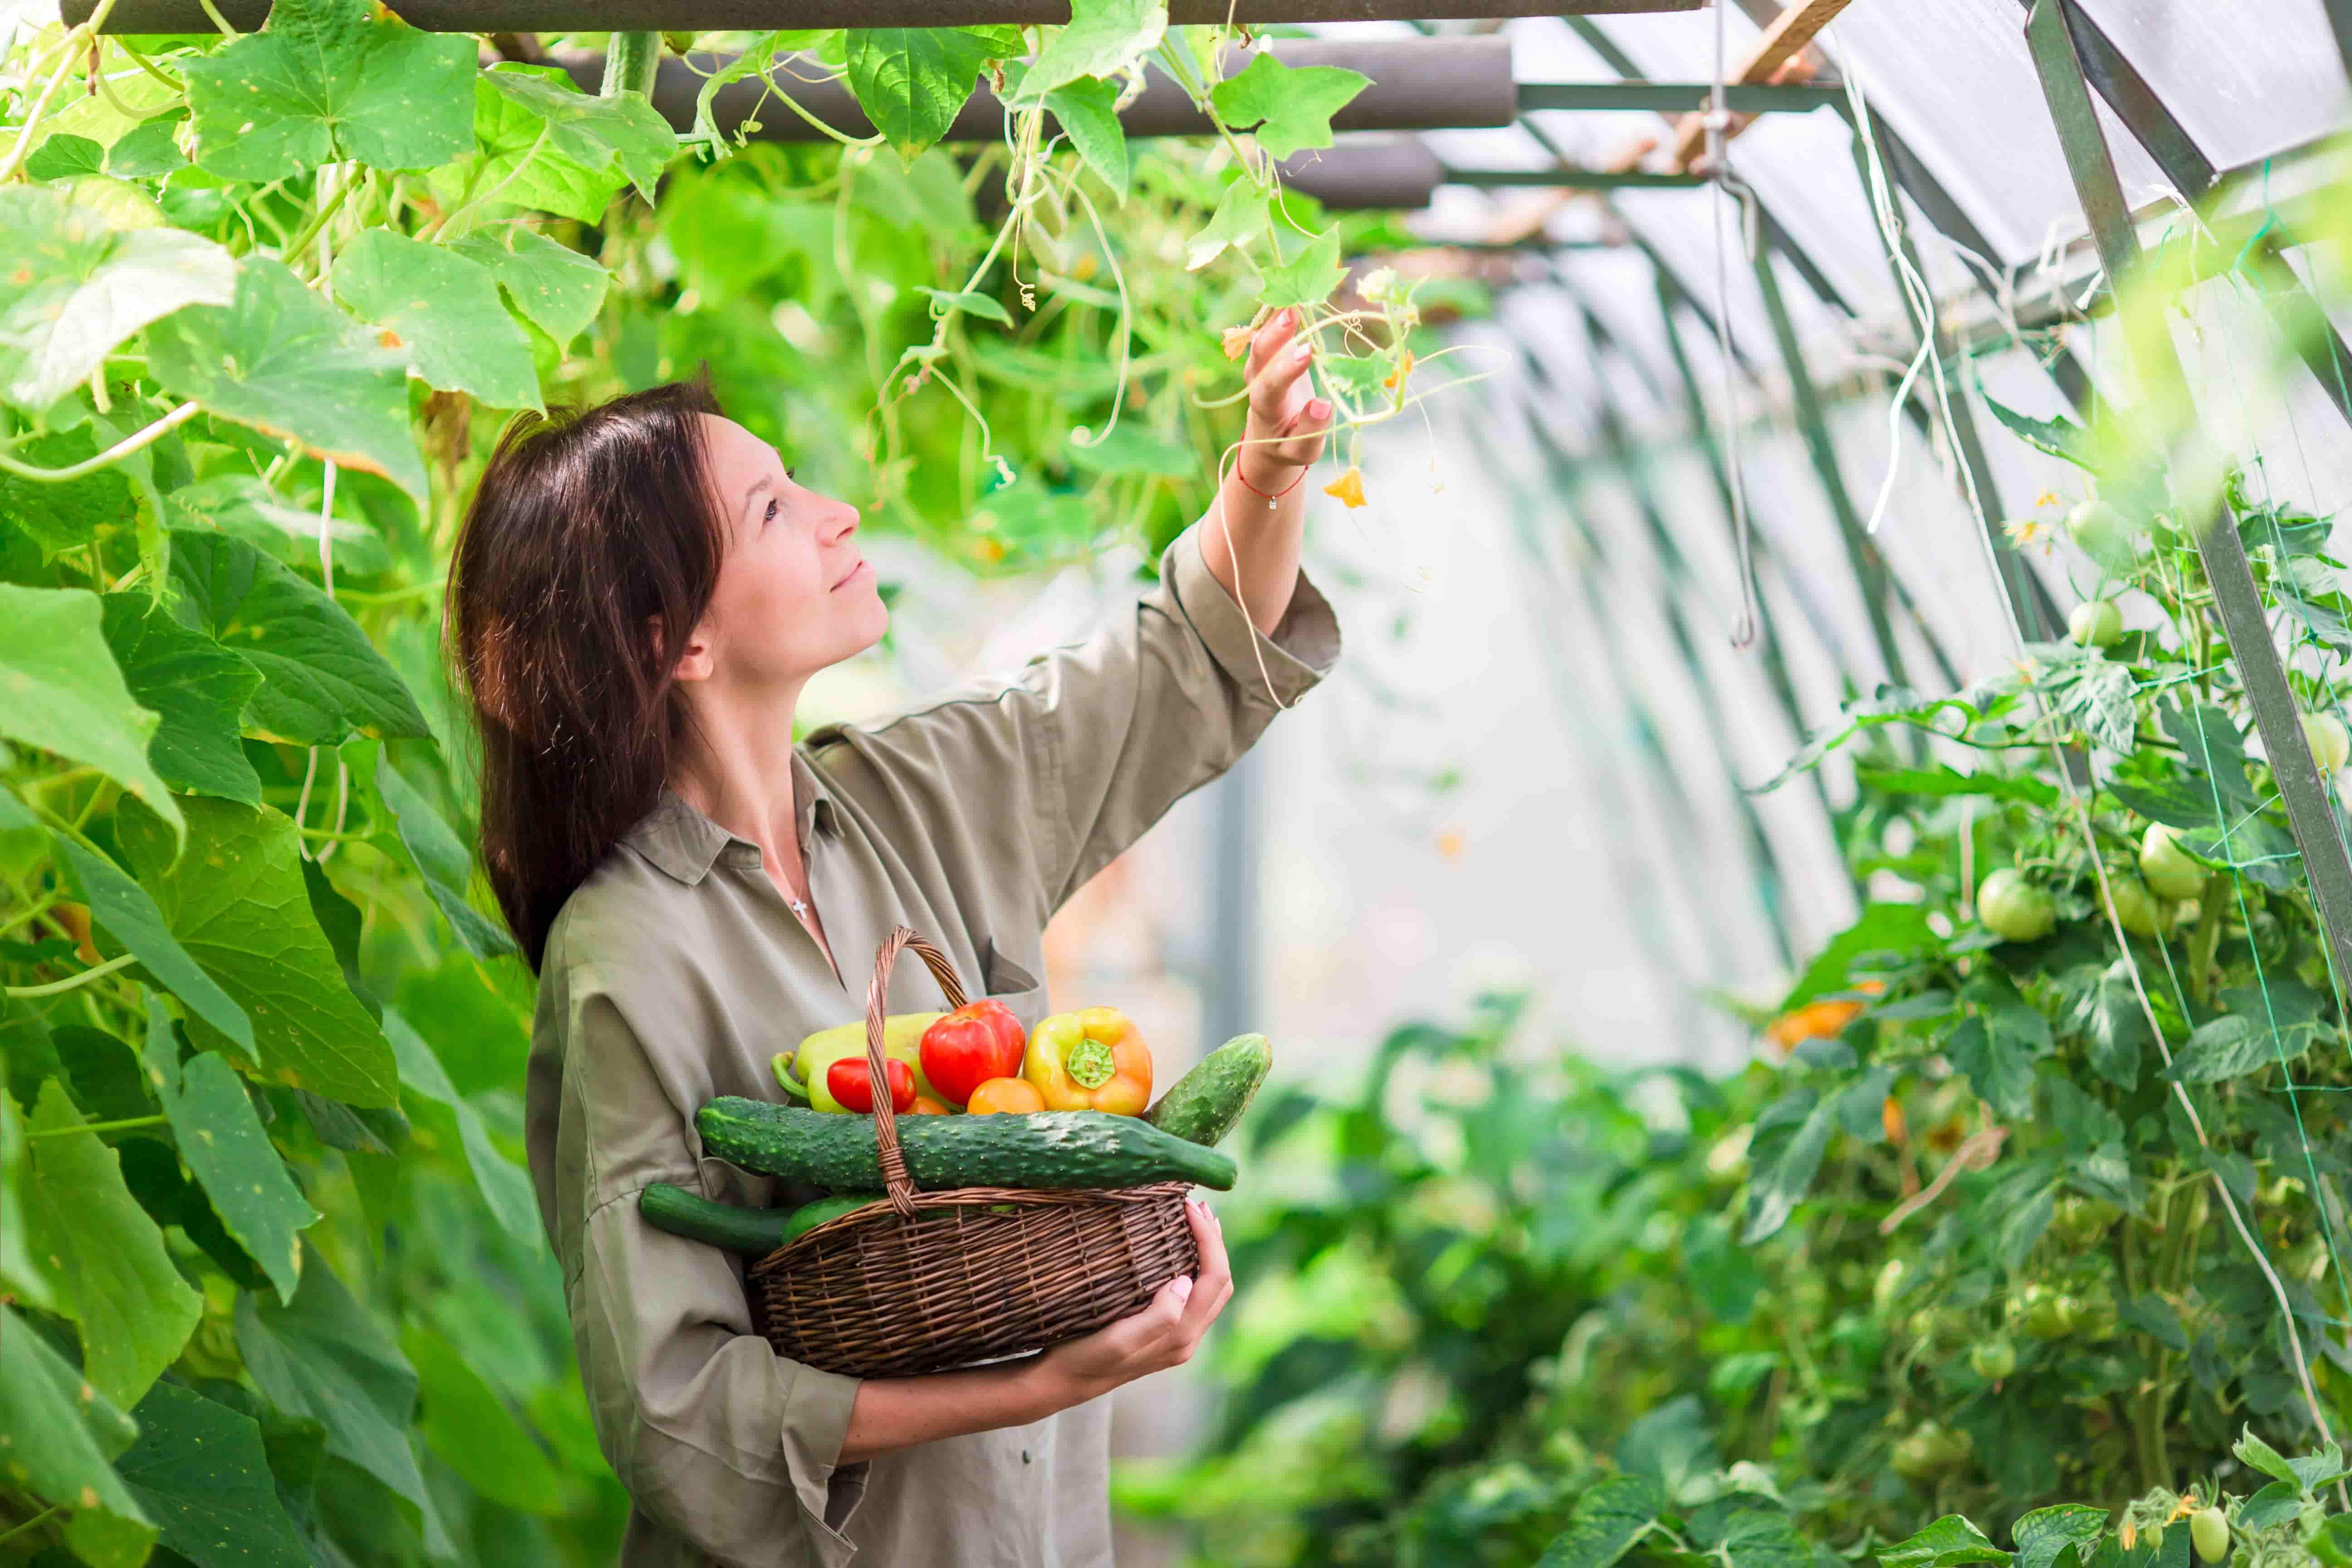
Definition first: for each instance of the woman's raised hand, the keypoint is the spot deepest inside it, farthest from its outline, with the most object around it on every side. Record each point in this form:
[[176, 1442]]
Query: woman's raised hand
[[1164, 1333], [1286, 421]]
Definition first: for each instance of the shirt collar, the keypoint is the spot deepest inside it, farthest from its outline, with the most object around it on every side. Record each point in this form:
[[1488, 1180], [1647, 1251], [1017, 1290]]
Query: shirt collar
[[683, 843]]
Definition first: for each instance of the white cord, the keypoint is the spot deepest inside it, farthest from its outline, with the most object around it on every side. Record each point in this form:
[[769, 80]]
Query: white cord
[[1718, 119]]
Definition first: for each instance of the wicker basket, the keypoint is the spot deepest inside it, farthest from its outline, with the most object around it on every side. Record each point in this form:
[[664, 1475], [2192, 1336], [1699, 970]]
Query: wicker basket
[[979, 1273]]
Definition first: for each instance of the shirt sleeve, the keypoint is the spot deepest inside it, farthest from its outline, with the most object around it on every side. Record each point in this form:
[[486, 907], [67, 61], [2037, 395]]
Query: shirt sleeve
[[722, 1441], [1069, 763]]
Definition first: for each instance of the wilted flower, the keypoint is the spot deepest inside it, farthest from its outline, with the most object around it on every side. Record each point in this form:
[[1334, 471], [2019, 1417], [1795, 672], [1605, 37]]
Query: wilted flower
[[1377, 285], [2025, 531], [1349, 487], [1237, 341], [1404, 369]]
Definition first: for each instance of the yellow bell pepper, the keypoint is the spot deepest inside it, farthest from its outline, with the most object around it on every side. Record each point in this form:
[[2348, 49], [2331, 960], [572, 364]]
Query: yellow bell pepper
[[1089, 1060]]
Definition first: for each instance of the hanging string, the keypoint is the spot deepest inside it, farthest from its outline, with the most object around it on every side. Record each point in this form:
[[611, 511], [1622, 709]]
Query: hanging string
[[1718, 120]]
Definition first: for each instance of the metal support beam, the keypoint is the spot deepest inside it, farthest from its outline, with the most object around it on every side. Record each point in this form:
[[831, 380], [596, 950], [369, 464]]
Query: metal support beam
[[1417, 84], [1870, 572], [763, 15], [1673, 98], [2339, 18], [2326, 866], [1575, 179]]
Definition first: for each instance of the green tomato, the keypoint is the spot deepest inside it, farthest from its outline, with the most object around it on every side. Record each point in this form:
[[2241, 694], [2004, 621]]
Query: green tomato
[[2043, 1313], [1929, 1452], [2097, 624], [2172, 871], [2080, 1223], [2013, 909], [1993, 1359], [1888, 1286], [2209, 1531], [2329, 741], [1942, 1328], [2139, 910]]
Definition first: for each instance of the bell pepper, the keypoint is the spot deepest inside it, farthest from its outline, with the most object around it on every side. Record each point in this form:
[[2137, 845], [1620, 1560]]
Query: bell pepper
[[851, 1082], [804, 1073], [999, 1096], [970, 1046], [1091, 1059]]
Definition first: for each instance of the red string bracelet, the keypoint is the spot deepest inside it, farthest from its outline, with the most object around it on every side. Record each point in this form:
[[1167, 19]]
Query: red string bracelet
[[1277, 496]]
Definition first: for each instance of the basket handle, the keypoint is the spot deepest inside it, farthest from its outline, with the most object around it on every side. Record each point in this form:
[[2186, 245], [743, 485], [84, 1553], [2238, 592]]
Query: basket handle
[[896, 1182]]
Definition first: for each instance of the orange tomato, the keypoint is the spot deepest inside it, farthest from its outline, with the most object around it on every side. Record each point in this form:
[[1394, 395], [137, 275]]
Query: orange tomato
[[926, 1106], [997, 1096]]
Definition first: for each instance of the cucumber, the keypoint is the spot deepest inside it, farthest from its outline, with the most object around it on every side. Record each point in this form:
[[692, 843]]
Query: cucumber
[[753, 1232], [1202, 1106], [1045, 1148]]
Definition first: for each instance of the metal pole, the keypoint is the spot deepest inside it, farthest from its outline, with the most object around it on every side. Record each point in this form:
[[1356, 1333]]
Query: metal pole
[[1232, 1005], [2263, 674], [763, 15]]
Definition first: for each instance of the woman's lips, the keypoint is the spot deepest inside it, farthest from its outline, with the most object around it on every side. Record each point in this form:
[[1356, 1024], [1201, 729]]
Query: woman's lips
[[860, 570]]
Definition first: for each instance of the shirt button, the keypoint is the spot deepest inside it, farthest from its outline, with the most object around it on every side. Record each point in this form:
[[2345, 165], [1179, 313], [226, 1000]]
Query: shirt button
[[1024, 1456]]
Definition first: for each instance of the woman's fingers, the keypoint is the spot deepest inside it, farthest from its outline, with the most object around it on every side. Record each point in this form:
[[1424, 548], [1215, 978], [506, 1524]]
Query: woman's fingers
[[1268, 340], [1215, 1281]]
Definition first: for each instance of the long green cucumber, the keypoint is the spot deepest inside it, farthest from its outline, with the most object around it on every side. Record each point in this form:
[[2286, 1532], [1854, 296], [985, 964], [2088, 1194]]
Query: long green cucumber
[[1054, 1148], [1202, 1106], [753, 1232]]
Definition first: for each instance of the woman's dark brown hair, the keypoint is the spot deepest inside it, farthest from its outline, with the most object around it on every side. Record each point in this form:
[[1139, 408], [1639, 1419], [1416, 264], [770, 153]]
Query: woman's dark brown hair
[[590, 531]]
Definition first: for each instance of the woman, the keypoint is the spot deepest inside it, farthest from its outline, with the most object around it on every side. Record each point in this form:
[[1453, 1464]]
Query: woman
[[638, 598]]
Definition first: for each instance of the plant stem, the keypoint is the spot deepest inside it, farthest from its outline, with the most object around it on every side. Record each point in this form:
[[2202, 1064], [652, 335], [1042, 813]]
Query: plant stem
[[123, 1125], [23, 147], [120, 450], [40, 1518], [72, 982], [310, 231], [2206, 940]]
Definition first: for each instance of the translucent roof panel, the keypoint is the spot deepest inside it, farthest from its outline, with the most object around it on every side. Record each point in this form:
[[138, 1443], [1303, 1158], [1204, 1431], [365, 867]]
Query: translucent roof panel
[[2245, 80], [1956, 80]]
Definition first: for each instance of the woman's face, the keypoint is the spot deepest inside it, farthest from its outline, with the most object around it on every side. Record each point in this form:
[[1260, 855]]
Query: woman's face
[[794, 594]]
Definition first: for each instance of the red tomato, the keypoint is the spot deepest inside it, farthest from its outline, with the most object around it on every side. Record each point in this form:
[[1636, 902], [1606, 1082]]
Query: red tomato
[[965, 1048], [853, 1084]]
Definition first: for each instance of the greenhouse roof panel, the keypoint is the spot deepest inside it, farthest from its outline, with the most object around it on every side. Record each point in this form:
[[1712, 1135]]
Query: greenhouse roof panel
[[2245, 80]]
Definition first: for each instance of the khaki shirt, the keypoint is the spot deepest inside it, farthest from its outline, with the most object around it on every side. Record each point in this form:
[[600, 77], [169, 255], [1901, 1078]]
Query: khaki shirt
[[676, 971]]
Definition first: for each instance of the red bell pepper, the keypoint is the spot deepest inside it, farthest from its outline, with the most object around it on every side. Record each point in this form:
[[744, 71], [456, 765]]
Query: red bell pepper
[[965, 1048], [852, 1083]]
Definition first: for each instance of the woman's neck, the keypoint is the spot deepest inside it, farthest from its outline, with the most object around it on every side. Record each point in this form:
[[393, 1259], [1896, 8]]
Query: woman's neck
[[736, 768]]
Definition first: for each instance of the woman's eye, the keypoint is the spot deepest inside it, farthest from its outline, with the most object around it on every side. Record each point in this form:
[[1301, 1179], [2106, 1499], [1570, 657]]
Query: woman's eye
[[771, 510]]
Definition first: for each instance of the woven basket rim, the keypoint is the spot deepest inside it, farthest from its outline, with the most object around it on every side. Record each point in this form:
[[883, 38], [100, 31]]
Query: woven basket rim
[[962, 1198]]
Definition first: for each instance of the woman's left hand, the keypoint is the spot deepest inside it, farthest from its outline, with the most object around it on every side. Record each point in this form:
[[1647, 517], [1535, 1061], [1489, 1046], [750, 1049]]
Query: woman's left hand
[[1286, 421]]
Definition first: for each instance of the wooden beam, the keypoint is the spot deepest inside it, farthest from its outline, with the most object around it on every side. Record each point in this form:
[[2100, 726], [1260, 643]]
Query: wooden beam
[[1776, 57]]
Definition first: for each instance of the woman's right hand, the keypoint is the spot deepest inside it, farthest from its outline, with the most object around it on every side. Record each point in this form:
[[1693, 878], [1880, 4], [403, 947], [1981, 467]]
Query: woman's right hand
[[1162, 1334]]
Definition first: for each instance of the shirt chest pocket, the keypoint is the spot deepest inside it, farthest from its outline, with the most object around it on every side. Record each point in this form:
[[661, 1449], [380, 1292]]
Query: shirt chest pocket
[[1009, 983]]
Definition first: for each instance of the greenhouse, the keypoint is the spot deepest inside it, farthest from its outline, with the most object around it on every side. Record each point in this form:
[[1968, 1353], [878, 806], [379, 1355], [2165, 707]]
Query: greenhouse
[[1613, 741]]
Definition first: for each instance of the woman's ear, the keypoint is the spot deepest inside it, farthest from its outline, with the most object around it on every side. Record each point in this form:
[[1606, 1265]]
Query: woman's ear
[[695, 661]]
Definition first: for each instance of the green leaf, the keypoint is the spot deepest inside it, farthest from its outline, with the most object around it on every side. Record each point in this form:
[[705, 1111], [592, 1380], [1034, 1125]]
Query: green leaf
[[134, 1310], [1765, 1538], [626, 135], [555, 288], [1130, 448], [1950, 781], [122, 909], [1882, 930], [238, 903], [64, 155], [1672, 1447], [442, 861], [148, 149], [2210, 744], [284, 361], [61, 1431], [1608, 1519], [67, 516], [1288, 109], [243, 507], [1945, 1543], [322, 679], [911, 81], [1240, 217], [2232, 1046], [2316, 1470], [2046, 1531], [445, 310], [506, 1186], [61, 690], [222, 1140], [1085, 111], [73, 286], [196, 687], [325, 1356], [2255, 1454], [323, 82], [1785, 1163], [1307, 278], [2113, 1025], [969, 301], [1997, 1050], [23, 1276], [2058, 438], [1103, 37], [2273, 1505], [466, 1422], [199, 1470]]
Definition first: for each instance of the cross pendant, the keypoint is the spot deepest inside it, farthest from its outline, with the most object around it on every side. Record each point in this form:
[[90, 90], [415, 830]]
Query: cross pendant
[[798, 907]]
